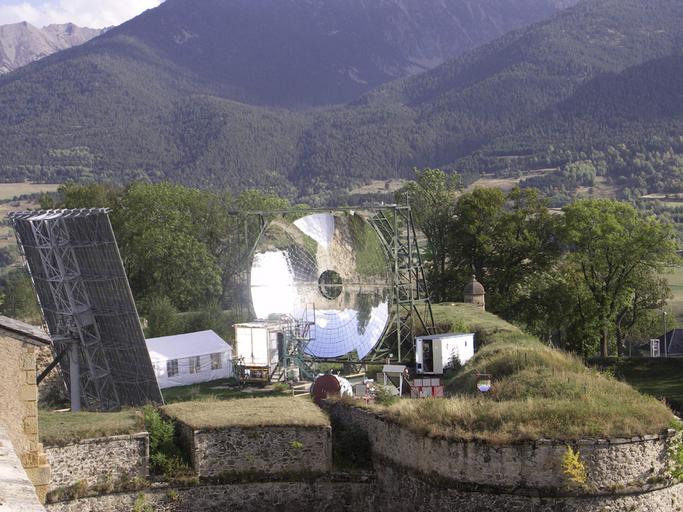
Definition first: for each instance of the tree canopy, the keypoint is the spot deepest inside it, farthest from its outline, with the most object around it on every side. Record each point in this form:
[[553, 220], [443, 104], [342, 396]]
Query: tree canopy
[[616, 252], [585, 278]]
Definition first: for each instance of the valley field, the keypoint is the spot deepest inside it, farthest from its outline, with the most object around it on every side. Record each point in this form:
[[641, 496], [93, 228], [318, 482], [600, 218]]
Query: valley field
[[9, 191], [12, 190]]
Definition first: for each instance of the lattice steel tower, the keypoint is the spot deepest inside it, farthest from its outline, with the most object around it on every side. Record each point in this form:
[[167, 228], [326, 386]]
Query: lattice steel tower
[[78, 276]]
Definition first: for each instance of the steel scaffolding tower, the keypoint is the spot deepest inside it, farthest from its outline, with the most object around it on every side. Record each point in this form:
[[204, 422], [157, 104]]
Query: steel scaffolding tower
[[78, 276], [412, 304]]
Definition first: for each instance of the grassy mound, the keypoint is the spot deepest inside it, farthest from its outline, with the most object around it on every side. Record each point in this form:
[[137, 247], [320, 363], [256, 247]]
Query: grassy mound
[[538, 392], [249, 412], [60, 428]]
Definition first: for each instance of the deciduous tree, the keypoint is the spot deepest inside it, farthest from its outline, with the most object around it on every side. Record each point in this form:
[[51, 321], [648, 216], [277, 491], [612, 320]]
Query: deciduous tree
[[616, 251]]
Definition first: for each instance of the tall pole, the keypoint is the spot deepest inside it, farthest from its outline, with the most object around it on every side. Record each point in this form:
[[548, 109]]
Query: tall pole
[[666, 352]]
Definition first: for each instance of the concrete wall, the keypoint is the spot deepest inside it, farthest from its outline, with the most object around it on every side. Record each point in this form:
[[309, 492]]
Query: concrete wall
[[19, 410], [96, 460], [536, 465], [321, 495], [16, 490], [260, 449]]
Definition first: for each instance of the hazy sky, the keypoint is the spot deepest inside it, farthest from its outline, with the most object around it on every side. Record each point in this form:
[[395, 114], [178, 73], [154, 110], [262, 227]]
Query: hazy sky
[[86, 13]]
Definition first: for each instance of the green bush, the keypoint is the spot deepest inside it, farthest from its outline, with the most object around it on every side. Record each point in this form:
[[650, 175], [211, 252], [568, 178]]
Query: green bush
[[280, 387], [384, 396], [165, 455], [141, 504]]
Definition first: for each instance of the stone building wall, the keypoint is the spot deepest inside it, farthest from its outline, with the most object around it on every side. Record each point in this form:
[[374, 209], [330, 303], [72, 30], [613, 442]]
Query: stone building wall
[[19, 410], [261, 449], [97, 460], [615, 463]]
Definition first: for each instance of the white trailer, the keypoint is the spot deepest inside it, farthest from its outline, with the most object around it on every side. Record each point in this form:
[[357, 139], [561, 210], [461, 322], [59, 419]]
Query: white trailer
[[258, 344], [434, 354]]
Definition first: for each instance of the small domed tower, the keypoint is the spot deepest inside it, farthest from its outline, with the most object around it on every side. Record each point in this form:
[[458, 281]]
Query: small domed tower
[[475, 293]]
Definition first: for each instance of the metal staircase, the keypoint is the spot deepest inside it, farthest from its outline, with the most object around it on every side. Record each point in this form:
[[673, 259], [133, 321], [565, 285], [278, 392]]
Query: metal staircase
[[298, 333]]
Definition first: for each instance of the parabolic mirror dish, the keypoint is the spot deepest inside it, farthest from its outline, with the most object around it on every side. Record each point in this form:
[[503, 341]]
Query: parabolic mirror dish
[[329, 270]]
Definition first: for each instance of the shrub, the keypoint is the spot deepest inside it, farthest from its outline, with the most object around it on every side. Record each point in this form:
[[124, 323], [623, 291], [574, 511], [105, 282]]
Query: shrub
[[384, 395], [676, 452], [161, 431], [141, 505], [165, 455], [574, 468], [280, 387], [173, 496]]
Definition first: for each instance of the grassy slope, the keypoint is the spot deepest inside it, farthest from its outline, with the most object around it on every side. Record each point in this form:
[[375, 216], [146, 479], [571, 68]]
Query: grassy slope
[[212, 390], [538, 392], [58, 428], [256, 412], [660, 378]]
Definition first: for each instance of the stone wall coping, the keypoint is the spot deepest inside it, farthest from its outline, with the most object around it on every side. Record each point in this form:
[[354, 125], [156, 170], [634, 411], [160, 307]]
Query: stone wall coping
[[16, 490], [100, 440], [259, 427], [664, 436]]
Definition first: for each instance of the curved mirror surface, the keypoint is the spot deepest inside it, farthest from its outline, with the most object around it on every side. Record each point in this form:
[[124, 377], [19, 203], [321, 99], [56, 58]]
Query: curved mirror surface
[[327, 270]]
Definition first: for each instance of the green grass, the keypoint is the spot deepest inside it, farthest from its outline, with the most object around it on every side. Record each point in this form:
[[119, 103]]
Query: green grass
[[661, 378], [538, 392], [459, 317], [214, 390], [675, 280], [255, 412], [59, 428]]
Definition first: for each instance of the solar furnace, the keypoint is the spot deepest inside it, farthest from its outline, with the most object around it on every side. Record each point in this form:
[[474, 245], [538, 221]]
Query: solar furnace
[[77, 273], [329, 270]]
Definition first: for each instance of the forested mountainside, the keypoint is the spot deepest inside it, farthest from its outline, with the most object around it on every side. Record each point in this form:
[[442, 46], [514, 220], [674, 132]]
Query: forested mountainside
[[121, 108], [295, 53], [525, 101], [22, 43]]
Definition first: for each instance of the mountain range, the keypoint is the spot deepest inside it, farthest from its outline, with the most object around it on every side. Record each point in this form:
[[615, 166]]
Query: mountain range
[[314, 95], [22, 43]]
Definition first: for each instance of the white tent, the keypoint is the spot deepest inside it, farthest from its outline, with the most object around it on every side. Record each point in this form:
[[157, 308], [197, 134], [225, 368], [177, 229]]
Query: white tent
[[190, 358]]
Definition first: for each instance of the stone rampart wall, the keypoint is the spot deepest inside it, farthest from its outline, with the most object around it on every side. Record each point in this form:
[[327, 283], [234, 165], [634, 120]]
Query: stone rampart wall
[[403, 491], [97, 461], [611, 464], [322, 495], [260, 449]]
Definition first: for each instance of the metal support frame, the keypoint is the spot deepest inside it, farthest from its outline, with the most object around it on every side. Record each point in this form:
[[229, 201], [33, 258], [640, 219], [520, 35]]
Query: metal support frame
[[57, 359], [412, 304], [77, 273], [76, 332], [411, 308]]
